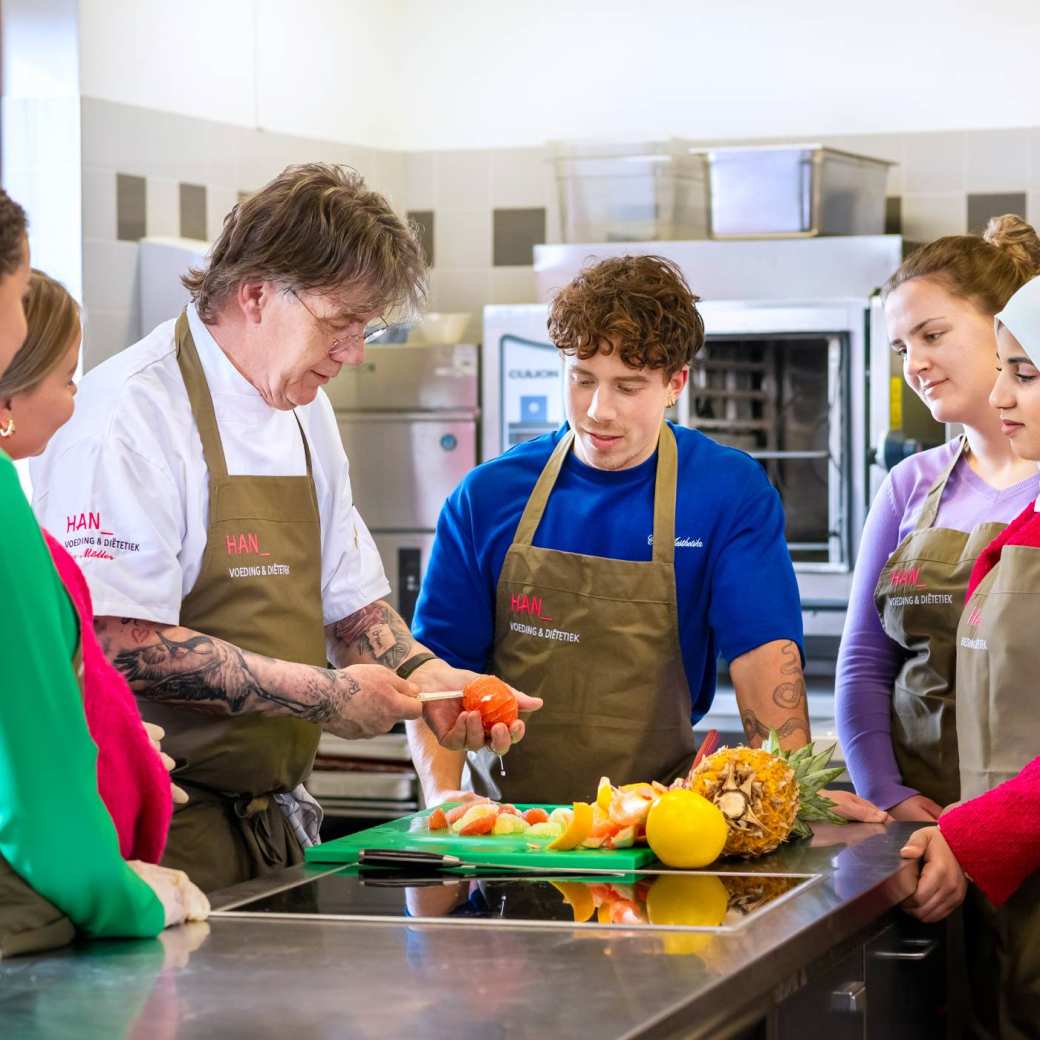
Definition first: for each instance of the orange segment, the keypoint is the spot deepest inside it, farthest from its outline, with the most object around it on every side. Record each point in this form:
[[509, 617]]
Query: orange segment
[[577, 830], [578, 897], [604, 793]]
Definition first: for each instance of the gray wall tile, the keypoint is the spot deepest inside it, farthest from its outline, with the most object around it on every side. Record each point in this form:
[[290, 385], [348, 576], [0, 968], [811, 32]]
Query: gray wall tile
[[425, 219], [516, 233], [893, 215], [930, 216], [982, 207], [193, 211], [131, 207]]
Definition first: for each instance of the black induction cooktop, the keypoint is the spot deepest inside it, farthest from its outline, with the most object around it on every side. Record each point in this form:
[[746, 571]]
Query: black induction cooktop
[[666, 899]]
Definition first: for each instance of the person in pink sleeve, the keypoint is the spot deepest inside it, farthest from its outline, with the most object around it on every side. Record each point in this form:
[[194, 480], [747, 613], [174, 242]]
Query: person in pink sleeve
[[36, 398]]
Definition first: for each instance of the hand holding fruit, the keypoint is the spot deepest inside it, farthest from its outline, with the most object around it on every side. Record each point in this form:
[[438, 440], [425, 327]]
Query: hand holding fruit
[[462, 725]]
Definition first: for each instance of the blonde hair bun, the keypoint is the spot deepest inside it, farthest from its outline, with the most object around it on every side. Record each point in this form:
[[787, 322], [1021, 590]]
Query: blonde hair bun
[[1018, 239]]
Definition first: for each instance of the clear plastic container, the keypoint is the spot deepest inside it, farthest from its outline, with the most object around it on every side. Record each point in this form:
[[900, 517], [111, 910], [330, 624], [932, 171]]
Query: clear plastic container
[[630, 193], [794, 191]]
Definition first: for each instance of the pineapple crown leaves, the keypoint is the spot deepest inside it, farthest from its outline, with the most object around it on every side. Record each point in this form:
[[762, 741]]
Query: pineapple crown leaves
[[811, 772]]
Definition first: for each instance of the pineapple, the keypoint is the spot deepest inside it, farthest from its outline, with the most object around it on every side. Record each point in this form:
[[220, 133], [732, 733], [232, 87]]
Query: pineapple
[[766, 794]]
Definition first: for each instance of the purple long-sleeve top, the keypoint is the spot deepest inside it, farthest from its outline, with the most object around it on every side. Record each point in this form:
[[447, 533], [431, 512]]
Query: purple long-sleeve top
[[868, 661]]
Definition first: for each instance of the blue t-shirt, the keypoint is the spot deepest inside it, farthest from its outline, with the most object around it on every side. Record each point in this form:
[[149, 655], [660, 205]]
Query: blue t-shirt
[[735, 585]]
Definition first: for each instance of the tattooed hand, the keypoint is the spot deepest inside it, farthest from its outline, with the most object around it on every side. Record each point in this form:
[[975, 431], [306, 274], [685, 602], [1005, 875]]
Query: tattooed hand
[[367, 700]]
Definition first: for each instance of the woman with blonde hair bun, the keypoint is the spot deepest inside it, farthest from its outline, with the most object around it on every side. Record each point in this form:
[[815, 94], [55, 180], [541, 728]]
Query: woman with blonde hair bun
[[933, 516]]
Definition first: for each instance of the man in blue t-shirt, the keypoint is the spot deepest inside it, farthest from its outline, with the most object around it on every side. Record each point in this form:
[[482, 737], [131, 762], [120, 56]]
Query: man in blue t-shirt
[[604, 567]]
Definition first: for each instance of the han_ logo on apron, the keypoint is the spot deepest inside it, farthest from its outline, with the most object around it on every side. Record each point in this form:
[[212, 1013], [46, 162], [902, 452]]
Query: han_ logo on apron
[[598, 640], [259, 588], [919, 597]]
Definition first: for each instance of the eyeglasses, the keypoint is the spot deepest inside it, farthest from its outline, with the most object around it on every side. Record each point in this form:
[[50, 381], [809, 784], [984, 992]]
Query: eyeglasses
[[369, 334]]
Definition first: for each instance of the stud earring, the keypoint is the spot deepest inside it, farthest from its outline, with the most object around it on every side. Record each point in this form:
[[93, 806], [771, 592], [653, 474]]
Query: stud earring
[[7, 428]]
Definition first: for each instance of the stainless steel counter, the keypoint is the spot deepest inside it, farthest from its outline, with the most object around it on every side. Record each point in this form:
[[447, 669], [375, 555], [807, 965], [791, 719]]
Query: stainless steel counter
[[301, 979]]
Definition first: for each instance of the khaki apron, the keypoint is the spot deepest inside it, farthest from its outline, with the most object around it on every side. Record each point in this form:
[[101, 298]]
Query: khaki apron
[[998, 731], [598, 640], [259, 588], [919, 598]]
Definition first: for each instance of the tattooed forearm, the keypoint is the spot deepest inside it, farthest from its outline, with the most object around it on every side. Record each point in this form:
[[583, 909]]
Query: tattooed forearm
[[791, 693], [168, 664], [756, 730], [770, 692], [376, 633]]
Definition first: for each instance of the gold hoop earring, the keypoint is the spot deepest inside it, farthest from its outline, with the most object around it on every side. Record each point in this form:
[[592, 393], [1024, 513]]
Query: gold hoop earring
[[7, 428]]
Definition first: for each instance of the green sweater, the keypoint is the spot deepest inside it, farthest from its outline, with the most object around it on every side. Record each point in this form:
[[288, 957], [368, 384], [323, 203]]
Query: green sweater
[[54, 829]]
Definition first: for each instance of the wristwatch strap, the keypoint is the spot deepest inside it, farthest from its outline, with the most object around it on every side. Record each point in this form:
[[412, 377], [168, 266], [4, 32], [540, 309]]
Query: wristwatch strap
[[412, 663]]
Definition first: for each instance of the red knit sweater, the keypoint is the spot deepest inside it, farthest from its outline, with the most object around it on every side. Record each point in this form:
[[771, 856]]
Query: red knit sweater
[[132, 781], [1012, 809], [1010, 813]]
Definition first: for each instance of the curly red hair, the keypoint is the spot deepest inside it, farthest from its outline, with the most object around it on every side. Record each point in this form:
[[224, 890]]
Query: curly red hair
[[640, 306]]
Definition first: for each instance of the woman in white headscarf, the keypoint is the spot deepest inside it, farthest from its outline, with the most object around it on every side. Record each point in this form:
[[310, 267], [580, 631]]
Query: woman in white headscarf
[[996, 834]]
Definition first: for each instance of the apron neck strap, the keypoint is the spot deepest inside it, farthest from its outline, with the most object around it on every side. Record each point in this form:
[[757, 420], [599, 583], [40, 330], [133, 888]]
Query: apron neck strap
[[664, 494], [200, 399], [930, 509]]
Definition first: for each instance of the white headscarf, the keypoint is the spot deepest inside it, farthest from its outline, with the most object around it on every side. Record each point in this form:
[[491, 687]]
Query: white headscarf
[[1021, 316]]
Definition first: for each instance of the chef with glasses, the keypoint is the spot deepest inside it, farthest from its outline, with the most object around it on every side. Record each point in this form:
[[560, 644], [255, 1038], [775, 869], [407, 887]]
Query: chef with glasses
[[203, 488]]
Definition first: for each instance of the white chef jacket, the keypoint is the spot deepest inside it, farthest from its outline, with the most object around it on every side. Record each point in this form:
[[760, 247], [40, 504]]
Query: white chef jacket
[[125, 486]]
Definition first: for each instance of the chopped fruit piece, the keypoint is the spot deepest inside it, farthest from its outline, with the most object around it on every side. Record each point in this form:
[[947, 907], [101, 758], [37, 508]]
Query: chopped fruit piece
[[604, 793], [641, 789], [603, 913], [594, 842], [544, 830], [507, 823], [562, 816], [536, 816], [602, 825], [578, 897], [437, 820], [495, 701], [480, 825], [624, 911], [577, 829], [512, 809], [624, 839], [475, 816], [629, 809], [658, 786], [458, 812]]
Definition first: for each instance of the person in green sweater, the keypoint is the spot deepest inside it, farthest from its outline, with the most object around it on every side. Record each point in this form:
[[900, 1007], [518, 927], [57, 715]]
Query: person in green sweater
[[60, 865]]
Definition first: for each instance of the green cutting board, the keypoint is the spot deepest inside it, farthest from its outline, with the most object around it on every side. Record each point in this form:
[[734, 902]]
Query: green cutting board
[[505, 850]]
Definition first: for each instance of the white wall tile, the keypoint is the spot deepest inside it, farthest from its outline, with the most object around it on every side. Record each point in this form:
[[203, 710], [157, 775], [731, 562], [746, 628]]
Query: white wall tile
[[99, 203], [106, 332], [996, 160], [462, 238], [935, 162], [930, 216], [521, 178], [110, 275], [463, 290], [513, 285], [163, 206], [463, 180], [1033, 207], [393, 179], [420, 180]]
